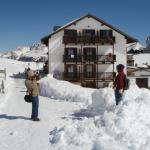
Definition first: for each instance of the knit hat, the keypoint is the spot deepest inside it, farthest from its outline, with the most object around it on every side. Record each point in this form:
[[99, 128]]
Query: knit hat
[[120, 67], [30, 73]]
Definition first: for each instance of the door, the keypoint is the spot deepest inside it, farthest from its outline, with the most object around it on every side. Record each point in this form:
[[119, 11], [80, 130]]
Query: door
[[142, 82]]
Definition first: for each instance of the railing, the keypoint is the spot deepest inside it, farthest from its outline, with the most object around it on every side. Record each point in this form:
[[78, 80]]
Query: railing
[[67, 39], [71, 76], [72, 58], [106, 76], [97, 58], [89, 75], [88, 39], [106, 58], [108, 40]]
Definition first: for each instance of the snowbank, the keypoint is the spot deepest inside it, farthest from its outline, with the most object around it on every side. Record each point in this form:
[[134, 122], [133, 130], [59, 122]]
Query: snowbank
[[63, 90], [125, 127]]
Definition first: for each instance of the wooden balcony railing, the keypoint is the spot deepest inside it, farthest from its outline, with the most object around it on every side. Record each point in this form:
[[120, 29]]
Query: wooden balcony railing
[[89, 57], [96, 58], [108, 40], [106, 58], [72, 58], [106, 76], [89, 75], [88, 39], [71, 76]]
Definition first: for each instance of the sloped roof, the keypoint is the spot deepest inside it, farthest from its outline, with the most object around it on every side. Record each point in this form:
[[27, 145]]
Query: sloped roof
[[128, 37]]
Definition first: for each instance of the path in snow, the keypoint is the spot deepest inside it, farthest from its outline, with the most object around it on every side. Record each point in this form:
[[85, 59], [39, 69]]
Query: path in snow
[[17, 131]]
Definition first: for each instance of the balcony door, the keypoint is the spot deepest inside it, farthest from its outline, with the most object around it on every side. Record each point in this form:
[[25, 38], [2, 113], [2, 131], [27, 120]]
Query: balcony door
[[105, 33], [89, 36], [89, 54], [70, 36], [90, 71], [71, 54], [106, 36], [71, 71]]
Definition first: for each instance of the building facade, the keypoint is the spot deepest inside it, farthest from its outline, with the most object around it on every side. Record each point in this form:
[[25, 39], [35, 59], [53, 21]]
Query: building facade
[[87, 51]]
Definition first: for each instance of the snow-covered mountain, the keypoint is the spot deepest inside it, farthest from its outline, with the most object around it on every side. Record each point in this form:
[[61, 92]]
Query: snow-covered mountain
[[135, 46], [36, 52]]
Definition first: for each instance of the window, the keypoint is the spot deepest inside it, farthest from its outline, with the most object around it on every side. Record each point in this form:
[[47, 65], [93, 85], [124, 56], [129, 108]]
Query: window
[[105, 33], [89, 35], [71, 53], [89, 53], [89, 71], [70, 36], [89, 68], [70, 69], [71, 32]]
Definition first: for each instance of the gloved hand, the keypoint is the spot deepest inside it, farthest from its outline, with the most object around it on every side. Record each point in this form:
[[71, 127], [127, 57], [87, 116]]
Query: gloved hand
[[121, 91]]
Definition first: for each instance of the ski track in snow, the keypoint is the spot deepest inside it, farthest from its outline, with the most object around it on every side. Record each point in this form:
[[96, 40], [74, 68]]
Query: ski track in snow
[[17, 131]]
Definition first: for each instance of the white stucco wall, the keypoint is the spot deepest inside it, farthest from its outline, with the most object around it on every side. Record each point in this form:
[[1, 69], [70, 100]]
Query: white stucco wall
[[56, 50]]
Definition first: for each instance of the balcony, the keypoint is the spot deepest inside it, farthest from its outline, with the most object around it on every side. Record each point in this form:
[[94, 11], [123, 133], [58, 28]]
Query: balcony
[[107, 40], [104, 59], [88, 75], [89, 57], [109, 76], [72, 58], [67, 39], [103, 76], [71, 76], [88, 40]]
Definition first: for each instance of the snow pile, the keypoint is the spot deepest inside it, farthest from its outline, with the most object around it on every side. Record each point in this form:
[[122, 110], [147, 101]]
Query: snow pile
[[125, 127], [63, 90]]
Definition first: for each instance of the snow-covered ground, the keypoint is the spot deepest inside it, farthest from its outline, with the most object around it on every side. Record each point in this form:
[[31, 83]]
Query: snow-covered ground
[[17, 131], [72, 117]]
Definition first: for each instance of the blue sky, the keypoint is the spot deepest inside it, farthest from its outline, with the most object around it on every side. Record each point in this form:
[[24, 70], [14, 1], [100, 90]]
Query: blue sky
[[25, 22]]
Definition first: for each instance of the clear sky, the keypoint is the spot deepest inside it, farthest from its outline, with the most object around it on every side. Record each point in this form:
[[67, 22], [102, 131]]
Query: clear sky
[[25, 22]]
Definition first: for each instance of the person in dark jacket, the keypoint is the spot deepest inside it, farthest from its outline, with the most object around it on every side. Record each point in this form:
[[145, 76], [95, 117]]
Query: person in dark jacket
[[119, 83]]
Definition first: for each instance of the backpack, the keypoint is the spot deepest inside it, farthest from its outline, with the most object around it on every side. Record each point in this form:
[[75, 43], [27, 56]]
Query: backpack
[[126, 83]]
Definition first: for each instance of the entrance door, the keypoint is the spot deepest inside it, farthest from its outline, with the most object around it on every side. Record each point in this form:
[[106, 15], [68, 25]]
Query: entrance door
[[142, 82]]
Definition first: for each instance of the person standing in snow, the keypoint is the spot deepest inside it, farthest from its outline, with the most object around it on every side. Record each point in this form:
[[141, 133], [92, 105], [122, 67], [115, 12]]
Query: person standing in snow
[[33, 89], [119, 83]]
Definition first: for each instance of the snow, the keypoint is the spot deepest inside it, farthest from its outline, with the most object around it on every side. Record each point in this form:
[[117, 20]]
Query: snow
[[72, 117], [63, 90], [125, 127], [17, 131], [34, 52], [135, 46], [141, 59]]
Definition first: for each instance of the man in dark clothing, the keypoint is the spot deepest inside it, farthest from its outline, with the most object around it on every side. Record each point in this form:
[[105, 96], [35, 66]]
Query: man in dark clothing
[[119, 83]]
